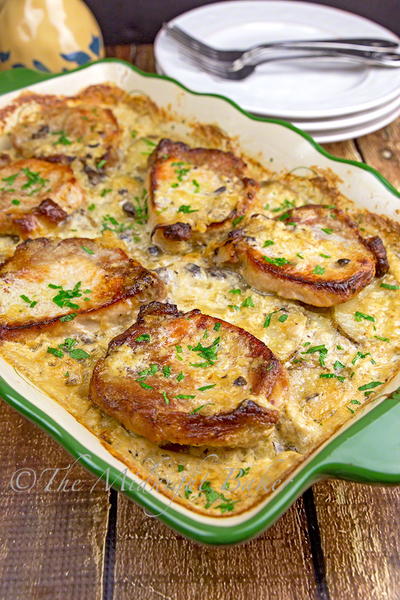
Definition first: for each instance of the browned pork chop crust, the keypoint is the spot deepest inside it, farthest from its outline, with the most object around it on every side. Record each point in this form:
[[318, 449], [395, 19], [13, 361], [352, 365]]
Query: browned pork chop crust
[[188, 378], [46, 280], [314, 254], [195, 193], [35, 196], [59, 132]]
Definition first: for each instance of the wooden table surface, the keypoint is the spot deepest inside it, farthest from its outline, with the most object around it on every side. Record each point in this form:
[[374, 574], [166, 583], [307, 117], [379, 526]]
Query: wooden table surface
[[340, 541]]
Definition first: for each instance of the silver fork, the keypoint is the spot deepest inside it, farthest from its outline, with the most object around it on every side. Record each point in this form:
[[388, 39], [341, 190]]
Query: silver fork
[[191, 43], [237, 70]]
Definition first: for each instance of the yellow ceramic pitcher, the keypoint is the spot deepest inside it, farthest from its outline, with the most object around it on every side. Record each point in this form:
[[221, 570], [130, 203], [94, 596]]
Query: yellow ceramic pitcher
[[48, 35]]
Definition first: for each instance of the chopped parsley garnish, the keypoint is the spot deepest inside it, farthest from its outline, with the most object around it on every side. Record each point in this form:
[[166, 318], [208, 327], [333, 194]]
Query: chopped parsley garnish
[[87, 250], [101, 163], [217, 326], [166, 399], [110, 223], [144, 385], [78, 354], [15, 202], [318, 270], [133, 133], [237, 220], [338, 365], [62, 139], [180, 468], [63, 297], [382, 339], [69, 317], [359, 316], [331, 376], [68, 346], [325, 255], [166, 371], [248, 302], [33, 179], [31, 303], [276, 261], [267, 243], [322, 351], [233, 291], [212, 496], [327, 230], [359, 355], [268, 318], [282, 318], [56, 352], [206, 387], [143, 338], [180, 376], [196, 185], [388, 286], [209, 353], [141, 208], [149, 142], [242, 472], [91, 206], [284, 206], [233, 306], [105, 192], [186, 208], [300, 255], [370, 386], [10, 180], [185, 396]]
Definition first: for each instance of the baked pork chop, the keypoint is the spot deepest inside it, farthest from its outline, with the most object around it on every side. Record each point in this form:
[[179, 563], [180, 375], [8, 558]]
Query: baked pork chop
[[190, 379], [194, 193], [47, 280], [314, 254], [62, 133], [35, 196]]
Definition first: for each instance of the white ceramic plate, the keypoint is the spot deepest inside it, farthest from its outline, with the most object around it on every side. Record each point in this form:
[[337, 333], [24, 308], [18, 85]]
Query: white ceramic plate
[[357, 119], [286, 89], [347, 133]]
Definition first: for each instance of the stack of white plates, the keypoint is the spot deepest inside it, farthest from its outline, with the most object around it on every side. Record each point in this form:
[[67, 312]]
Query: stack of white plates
[[331, 100]]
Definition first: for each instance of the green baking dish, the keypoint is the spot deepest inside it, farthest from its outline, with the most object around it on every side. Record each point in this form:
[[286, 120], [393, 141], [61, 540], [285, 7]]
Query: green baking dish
[[366, 450]]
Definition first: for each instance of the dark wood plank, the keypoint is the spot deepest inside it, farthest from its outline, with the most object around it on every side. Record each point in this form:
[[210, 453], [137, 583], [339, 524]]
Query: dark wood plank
[[152, 562], [51, 542], [382, 151], [126, 52]]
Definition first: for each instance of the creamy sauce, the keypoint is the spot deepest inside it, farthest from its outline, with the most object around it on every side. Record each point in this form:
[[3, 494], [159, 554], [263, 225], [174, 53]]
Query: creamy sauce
[[337, 359]]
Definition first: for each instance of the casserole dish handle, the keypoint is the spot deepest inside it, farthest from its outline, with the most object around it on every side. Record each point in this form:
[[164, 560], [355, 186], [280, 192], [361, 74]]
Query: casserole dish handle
[[369, 450]]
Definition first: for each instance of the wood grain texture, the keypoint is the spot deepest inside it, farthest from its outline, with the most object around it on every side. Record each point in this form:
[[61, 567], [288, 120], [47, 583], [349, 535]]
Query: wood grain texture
[[382, 151], [51, 542], [153, 562]]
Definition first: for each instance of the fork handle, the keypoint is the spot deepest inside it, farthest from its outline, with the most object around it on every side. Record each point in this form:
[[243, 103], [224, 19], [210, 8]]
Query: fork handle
[[389, 59], [350, 44]]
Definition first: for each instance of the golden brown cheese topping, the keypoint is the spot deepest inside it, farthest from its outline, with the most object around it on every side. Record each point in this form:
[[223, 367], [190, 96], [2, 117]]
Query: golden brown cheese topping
[[189, 379], [49, 279], [313, 253], [195, 192], [35, 196], [62, 133]]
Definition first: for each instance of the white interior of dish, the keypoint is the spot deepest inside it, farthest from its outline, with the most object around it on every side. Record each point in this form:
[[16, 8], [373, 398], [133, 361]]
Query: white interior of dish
[[263, 141]]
